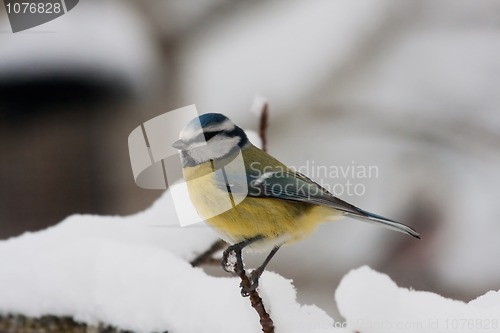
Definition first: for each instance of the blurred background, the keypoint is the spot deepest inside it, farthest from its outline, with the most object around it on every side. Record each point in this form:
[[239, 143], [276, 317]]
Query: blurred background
[[410, 87]]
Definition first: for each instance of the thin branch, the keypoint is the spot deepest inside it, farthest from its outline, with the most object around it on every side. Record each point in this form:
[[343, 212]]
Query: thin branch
[[255, 300], [207, 256], [264, 115]]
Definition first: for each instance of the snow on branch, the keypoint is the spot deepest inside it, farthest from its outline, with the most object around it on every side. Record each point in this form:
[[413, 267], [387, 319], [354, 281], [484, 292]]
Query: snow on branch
[[133, 273], [123, 272]]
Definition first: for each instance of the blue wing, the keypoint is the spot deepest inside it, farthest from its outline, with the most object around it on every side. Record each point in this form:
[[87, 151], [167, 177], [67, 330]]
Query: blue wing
[[294, 186]]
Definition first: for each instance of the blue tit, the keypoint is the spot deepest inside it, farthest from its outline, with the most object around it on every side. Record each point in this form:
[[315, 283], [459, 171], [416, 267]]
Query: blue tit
[[280, 205]]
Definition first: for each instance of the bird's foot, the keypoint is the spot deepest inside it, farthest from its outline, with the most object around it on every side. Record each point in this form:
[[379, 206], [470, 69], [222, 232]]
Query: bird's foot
[[254, 283]]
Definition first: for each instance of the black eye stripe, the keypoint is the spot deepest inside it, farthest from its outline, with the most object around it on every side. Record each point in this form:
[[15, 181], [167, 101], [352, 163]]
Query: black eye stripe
[[210, 135], [204, 136]]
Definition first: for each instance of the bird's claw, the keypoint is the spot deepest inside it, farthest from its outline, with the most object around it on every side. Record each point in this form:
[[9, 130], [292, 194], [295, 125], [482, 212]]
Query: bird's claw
[[254, 284], [254, 277], [245, 292]]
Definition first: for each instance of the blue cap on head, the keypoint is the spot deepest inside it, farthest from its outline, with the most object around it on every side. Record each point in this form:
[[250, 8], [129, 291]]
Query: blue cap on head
[[209, 119], [210, 122]]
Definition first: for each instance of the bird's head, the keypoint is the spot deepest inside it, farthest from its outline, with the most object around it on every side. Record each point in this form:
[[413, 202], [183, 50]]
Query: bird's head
[[209, 137]]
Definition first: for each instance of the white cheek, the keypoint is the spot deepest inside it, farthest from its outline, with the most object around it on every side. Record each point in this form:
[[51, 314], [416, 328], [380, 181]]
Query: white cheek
[[221, 147], [200, 155], [197, 145]]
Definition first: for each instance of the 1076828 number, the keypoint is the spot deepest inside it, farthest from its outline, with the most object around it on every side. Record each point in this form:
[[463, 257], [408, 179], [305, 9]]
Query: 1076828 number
[[471, 324], [33, 8]]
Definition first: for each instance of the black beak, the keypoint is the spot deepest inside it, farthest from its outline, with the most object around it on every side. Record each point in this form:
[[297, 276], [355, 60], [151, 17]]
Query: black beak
[[180, 145]]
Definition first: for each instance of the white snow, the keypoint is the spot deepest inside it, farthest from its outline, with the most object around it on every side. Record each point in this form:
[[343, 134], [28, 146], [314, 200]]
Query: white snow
[[372, 302], [132, 272]]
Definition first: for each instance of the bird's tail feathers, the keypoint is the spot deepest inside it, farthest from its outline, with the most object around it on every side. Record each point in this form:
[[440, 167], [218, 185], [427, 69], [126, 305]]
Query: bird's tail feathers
[[380, 220]]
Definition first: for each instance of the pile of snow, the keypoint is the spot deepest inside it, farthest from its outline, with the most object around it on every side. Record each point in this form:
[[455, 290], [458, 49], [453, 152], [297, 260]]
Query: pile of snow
[[133, 273], [372, 302]]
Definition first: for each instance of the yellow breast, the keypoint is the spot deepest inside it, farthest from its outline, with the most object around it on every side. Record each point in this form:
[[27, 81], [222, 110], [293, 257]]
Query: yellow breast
[[268, 217]]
